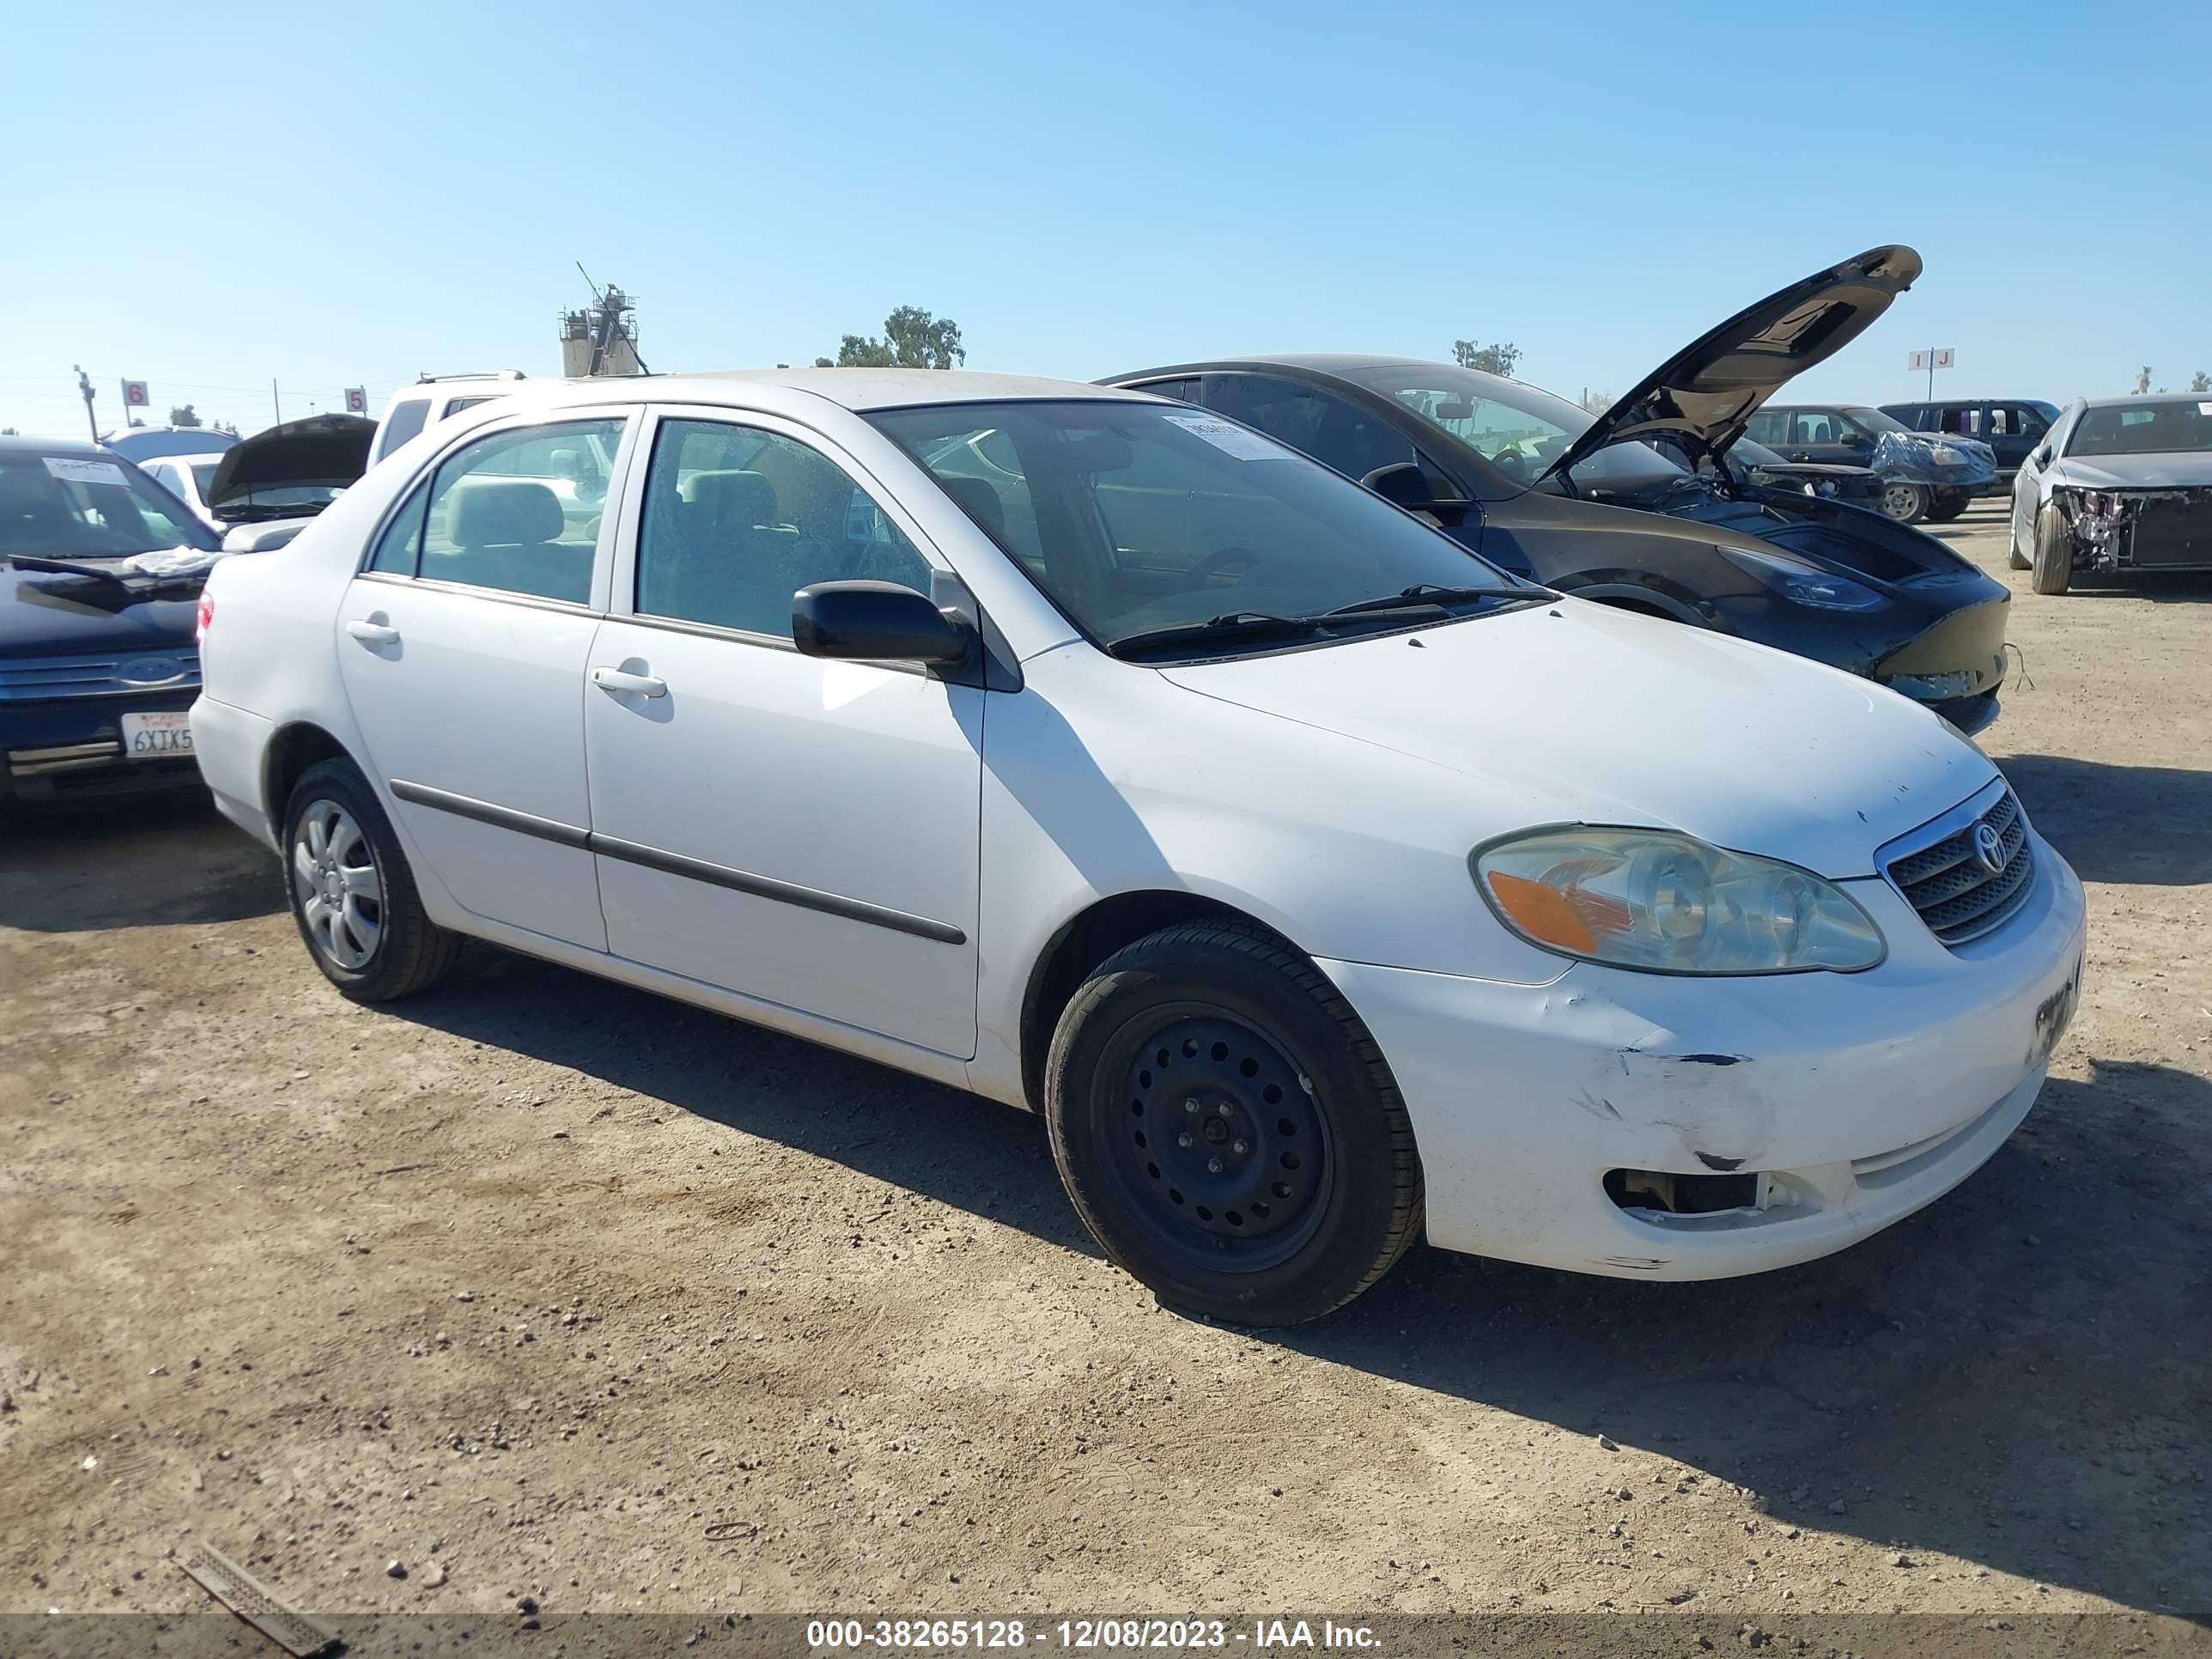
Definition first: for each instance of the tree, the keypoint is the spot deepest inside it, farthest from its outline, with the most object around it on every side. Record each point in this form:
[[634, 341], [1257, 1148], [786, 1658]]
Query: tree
[[2200, 383], [2142, 380], [226, 427], [1496, 358], [912, 339], [182, 415], [1596, 403]]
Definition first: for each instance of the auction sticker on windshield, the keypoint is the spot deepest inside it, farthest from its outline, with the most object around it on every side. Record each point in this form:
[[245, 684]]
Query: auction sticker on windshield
[[157, 737], [71, 471], [1230, 439]]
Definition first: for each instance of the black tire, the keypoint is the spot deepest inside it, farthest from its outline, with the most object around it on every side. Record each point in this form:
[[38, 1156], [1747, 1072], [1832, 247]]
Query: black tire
[[2053, 571], [1314, 1189], [409, 951], [1949, 505], [1907, 503]]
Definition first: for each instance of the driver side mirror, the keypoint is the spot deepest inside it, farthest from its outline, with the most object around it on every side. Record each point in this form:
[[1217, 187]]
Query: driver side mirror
[[1405, 484], [1857, 440], [875, 622], [2043, 456]]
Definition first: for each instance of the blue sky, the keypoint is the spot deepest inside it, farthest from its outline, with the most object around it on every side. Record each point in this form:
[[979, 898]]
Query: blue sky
[[205, 197]]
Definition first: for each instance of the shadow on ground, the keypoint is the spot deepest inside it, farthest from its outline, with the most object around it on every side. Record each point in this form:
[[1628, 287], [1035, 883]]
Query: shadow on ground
[[2138, 824], [151, 863], [2015, 1376]]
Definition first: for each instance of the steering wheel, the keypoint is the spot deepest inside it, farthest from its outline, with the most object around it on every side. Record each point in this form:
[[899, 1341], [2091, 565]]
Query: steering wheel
[[1225, 565]]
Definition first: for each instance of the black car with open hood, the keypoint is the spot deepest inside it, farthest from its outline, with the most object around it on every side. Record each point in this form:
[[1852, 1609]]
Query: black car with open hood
[[1645, 506], [100, 578], [290, 471]]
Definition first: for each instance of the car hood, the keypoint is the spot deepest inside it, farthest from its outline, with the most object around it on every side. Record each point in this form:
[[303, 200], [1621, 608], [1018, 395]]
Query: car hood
[[321, 451], [1704, 393], [48, 613], [1578, 713], [2182, 469]]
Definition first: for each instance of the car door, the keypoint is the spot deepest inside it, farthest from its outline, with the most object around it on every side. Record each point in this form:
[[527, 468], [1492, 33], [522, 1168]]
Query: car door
[[2028, 483], [798, 830], [1824, 436], [2014, 431], [463, 645]]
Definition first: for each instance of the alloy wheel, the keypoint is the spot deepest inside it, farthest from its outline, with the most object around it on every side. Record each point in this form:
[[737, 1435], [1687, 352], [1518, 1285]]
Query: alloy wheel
[[338, 887]]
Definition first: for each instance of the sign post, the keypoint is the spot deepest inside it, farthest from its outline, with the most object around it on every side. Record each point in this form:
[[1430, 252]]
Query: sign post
[[1934, 358]]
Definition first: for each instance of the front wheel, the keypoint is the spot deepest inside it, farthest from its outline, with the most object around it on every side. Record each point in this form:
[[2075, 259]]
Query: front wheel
[[2054, 551], [352, 893], [1907, 503], [1227, 1128], [1949, 505]]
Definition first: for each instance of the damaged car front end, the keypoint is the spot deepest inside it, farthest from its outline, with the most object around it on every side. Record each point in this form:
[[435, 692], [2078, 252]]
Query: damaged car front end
[[2121, 486]]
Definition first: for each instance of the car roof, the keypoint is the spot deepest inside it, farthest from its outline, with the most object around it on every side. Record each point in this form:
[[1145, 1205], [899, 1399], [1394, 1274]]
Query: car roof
[[2161, 399], [1320, 362], [856, 389], [75, 448]]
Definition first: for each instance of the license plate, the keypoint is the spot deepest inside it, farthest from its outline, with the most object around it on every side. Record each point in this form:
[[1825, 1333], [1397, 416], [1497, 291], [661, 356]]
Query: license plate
[[157, 737]]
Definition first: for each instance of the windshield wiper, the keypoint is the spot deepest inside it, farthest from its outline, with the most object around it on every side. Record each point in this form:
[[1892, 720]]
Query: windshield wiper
[[65, 568], [1236, 624], [1434, 595]]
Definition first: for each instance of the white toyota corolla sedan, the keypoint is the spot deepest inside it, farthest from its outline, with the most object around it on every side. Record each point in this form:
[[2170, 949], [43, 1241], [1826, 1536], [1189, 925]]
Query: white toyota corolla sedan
[[1323, 886]]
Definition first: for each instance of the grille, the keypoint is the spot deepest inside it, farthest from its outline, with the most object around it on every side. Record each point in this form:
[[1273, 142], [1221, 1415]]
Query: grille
[[1955, 893], [37, 679]]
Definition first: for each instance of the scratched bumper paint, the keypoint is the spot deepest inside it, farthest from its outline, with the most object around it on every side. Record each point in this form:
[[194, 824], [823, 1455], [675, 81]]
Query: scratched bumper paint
[[1862, 1096]]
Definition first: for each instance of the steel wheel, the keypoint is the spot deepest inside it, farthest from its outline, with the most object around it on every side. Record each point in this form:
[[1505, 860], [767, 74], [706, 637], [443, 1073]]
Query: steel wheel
[[1225, 1155], [336, 881], [1903, 501]]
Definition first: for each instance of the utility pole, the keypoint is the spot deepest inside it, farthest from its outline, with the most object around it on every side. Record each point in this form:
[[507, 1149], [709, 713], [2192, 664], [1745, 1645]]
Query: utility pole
[[84, 385]]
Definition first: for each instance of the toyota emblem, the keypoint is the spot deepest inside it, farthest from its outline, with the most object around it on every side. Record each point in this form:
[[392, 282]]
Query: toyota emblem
[[1989, 847]]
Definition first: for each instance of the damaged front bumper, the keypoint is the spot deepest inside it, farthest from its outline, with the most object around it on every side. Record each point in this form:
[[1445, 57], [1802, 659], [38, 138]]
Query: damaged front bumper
[[2120, 530], [1802, 1112]]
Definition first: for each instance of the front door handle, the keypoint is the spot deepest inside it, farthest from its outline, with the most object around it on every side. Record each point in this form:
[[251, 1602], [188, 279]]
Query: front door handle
[[618, 679], [369, 632]]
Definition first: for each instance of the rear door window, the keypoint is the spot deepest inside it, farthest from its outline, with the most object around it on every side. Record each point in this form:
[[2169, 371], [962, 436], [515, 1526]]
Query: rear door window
[[518, 510]]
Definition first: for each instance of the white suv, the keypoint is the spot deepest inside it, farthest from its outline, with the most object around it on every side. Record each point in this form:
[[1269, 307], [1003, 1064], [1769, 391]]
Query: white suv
[[434, 398], [1317, 881]]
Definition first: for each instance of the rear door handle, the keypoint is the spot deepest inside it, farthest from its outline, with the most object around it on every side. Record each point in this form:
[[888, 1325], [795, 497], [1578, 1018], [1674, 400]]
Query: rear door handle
[[617, 680], [369, 632]]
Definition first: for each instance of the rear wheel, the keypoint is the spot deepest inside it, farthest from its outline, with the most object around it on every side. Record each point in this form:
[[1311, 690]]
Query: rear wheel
[[352, 895], [1907, 503], [1227, 1130], [1949, 505], [2054, 552]]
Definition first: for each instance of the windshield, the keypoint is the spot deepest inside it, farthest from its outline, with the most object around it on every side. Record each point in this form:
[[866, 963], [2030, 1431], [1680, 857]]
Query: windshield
[[1873, 420], [1134, 518], [1517, 429], [80, 507], [2143, 429]]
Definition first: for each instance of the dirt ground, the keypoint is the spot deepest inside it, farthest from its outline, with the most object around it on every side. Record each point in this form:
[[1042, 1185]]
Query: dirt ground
[[541, 1287]]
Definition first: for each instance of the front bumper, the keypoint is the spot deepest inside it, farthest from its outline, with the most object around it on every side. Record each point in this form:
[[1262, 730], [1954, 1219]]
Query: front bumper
[[71, 749], [1855, 1099]]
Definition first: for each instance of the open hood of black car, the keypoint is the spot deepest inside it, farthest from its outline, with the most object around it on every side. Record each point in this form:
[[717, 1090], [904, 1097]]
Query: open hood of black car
[[1703, 395], [323, 451]]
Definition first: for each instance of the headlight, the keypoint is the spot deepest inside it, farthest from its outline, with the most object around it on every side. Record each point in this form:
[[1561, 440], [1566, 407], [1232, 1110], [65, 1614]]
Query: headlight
[[1668, 903], [1950, 455], [1804, 581]]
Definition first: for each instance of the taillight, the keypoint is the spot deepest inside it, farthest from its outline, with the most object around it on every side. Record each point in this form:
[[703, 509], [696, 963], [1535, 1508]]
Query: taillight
[[205, 619]]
